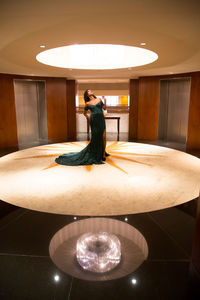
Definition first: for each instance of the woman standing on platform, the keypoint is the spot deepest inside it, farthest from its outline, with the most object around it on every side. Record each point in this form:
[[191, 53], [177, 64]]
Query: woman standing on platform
[[96, 117], [94, 152]]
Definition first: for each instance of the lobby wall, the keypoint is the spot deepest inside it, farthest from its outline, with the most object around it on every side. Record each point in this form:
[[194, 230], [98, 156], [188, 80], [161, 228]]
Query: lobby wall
[[56, 97], [144, 98], [8, 124], [143, 118], [58, 106], [193, 139], [148, 104]]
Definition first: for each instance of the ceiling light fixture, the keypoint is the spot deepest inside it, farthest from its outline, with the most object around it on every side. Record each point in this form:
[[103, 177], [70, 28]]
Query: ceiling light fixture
[[96, 56], [142, 44], [42, 46]]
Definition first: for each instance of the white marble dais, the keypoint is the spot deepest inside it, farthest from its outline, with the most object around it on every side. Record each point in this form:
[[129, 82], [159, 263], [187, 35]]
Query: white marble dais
[[135, 178]]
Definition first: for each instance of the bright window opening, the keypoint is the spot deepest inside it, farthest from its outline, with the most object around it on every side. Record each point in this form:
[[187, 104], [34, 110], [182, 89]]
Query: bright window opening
[[110, 100]]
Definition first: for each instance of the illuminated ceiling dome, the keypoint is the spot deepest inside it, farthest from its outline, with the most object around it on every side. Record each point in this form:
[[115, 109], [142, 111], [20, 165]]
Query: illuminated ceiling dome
[[97, 56]]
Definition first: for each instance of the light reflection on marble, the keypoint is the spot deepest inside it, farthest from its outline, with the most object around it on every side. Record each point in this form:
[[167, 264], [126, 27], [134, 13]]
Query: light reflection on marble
[[98, 252], [136, 178], [62, 248]]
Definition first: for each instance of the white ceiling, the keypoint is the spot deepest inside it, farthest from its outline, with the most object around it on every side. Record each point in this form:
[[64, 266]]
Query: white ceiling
[[171, 28]]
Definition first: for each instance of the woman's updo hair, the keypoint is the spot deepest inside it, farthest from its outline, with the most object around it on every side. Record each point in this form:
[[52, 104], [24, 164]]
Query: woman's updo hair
[[86, 97]]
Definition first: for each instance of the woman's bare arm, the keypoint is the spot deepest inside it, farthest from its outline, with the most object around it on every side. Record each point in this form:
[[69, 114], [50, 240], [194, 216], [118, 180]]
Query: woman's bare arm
[[104, 100]]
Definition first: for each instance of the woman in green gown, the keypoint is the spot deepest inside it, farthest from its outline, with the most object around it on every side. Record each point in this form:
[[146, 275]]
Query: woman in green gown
[[94, 152]]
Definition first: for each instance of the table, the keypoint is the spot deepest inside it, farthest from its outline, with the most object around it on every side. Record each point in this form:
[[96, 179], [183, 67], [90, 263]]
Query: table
[[107, 118]]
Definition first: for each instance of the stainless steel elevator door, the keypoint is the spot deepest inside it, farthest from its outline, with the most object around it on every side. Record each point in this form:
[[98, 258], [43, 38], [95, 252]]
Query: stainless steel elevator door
[[174, 110], [30, 107]]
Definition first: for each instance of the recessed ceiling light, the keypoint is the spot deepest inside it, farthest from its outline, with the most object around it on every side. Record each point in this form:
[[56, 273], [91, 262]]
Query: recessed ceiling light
[[42, 46], [142, 44], [97, 57]]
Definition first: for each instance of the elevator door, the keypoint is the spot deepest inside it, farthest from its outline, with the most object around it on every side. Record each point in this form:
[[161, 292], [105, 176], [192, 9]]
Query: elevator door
[[174, 110], [31, 117]]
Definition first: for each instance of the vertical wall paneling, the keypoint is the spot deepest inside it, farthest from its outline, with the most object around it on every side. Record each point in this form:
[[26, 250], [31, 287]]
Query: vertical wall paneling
[[196, 241], [42, 111], [71, 109], [163, 110], [133, 109], [56, 108], [148, 103], [179, 98], [30, 104], [173, 109], [193, 139], [8, 124]]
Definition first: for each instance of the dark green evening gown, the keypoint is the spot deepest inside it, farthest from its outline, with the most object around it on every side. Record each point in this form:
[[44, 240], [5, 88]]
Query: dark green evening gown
[[92, 153]]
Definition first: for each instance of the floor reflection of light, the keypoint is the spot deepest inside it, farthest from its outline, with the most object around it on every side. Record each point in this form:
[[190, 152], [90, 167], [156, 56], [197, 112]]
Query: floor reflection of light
[[57, 278], [142, 180], [133, 281], [98, 252], [63, 248]]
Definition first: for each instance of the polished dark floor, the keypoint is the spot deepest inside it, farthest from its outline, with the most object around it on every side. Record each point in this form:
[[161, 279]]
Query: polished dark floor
[[27, 272]]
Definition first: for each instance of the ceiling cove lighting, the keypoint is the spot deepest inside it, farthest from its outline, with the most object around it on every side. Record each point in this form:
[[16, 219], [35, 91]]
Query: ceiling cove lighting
[[96, 57]]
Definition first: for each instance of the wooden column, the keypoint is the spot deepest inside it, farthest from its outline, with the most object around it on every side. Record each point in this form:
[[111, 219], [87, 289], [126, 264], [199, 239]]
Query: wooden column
[[56, 108], [193, 138], [148, 108], [8, 123], [133, 109], [196, 242], [71, 110]]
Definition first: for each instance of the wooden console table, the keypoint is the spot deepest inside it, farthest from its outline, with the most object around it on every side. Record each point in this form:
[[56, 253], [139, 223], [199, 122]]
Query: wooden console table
[[106, 118]]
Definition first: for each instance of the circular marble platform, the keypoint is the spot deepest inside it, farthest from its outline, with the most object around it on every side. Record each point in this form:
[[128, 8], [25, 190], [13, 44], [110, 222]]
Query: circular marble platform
[[136, 178]]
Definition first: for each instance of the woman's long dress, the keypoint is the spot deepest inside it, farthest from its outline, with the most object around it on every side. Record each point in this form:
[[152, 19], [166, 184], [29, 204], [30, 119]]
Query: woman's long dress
[[93, 152]]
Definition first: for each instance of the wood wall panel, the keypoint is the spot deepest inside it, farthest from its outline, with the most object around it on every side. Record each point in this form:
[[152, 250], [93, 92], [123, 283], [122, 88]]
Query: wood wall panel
[[196, 241], [56, 108], [71, 109], [8, 124], [148, 105], [193, 138], [133, 110]]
